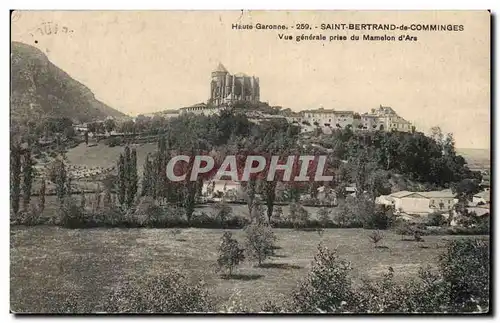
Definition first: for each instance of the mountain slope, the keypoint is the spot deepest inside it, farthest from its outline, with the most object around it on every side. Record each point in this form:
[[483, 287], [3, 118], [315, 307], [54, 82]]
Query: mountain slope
[[38, 87]]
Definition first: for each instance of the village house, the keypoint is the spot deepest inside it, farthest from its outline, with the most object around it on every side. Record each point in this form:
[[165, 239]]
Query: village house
[[201, 108], [419, 203]]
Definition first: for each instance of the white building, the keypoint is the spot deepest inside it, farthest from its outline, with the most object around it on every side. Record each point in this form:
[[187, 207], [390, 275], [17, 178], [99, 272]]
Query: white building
[[383, 118], [201, 108], [419, 203]]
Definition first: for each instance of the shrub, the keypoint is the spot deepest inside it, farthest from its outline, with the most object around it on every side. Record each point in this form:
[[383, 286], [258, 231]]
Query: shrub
[[257, 213], [356, 210], [230, 253], [175, 233], [327, 287], [235, 304], [436, 219], [404, 228], [324, 217], [465, 266], [114, 141], [30, 217], [381, 218], [149, 213], [170, 293], [277, 214], [223, 212], [382, 296], [71, 215], [298, 215], [260, 241], [376, 237]]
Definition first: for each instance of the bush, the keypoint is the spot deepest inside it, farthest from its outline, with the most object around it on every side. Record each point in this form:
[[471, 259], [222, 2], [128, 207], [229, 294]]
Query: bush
[[71, 215], [149, 213], [465, 266], [355, 211], [30, 217], [404, 228], [223, 212], [260, 241], [436, 219], [327, 287], [376, 237], [171, 293], [298, 215], [459, 284], [277, 214], [230, 253], [324, 217], [114, 141]]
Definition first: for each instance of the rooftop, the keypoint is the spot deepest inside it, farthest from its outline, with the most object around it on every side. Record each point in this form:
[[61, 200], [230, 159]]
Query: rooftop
[[220, 68], [432, 194]]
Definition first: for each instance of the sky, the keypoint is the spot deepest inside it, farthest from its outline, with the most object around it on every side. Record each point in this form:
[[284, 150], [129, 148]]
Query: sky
[[147, 61]]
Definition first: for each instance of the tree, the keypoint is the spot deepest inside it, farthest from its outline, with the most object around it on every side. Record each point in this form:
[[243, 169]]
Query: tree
[[324, 216], [82, 199], [28, 174], [223, 212], [109, 125], [127, 177], [298, 215], [464, 191], [277, 214], [122, 180], [15, 176], [270, 196], [375, 237], [327, 287], [147, 178], [230, 253], [250, 188], [437, 135], [59, 171], [41, 195], [132, 177], [260, 241]]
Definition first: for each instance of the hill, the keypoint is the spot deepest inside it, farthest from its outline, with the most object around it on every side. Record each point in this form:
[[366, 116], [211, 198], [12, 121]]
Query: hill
[[477, 159], [38, 87]]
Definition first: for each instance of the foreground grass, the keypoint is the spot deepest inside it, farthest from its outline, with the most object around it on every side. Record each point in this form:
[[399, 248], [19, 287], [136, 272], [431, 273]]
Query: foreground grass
[[50, 265]]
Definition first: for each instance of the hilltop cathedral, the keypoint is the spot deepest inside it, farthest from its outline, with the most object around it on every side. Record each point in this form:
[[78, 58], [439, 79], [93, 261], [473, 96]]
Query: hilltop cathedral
[[226, 88]]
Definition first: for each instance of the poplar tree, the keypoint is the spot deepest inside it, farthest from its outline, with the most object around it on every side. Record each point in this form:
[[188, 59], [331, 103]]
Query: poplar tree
[[61, 180], [15, 176], [41, 195], [132, 177], [28, 172], [147, 178], [121, 180], [127, 177], [82, 199]]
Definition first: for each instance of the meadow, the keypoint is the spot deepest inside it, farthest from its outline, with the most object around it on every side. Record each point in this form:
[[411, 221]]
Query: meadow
[[52, 265]]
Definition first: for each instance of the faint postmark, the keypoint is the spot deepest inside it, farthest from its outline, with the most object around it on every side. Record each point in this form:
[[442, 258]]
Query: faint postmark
[[48, 28]]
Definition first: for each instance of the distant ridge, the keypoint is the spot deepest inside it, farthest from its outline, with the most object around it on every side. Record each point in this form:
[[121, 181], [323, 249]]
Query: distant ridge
[[40, 88]]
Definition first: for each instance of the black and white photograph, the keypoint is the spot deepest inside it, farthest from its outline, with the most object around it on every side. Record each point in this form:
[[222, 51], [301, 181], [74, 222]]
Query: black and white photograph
[[250, 162]]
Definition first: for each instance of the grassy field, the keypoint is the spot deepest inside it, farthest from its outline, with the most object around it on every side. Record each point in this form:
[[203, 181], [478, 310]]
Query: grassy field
[[104, 156], [50, 263]]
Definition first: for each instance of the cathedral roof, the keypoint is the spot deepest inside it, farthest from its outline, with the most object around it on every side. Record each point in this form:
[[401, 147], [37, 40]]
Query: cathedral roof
[[220, 68]]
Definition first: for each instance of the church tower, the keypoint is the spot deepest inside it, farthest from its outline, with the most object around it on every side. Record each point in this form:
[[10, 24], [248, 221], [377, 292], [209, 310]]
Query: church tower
[[218, 86]]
